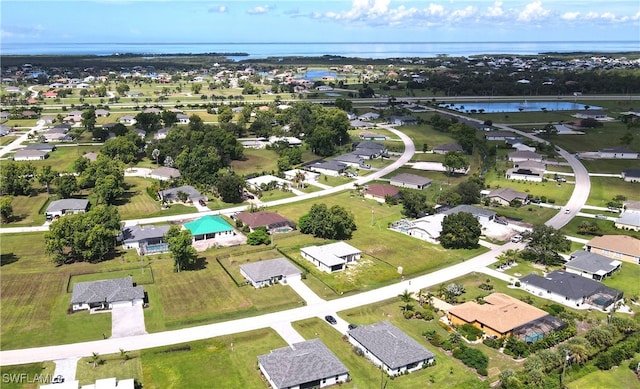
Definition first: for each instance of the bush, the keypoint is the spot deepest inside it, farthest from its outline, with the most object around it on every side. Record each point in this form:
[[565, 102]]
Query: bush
[[470, 332], [472, 358], [493, 343]]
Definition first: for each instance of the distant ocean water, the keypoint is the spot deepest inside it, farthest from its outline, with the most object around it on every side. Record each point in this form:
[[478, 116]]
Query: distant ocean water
[[315, 49]]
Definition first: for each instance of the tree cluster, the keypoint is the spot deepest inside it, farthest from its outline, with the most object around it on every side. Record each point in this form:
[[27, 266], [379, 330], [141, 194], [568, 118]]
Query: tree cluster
[[544, 243], [330, 223], [83, 237], [17, 178], [460, 231], [183, 253]]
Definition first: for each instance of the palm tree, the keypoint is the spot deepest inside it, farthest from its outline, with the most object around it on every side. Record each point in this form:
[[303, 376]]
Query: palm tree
[[405, 296], [95, 358]]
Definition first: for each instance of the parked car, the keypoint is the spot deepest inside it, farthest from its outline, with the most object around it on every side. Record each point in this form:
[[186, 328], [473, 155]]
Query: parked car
[[331, 320], [202, 202], [517, 239], [567, 210], [535, 201], [600, 216], [352, 326]]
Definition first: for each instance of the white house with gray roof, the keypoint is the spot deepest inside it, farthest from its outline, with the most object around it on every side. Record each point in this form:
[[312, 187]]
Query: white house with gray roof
[[388, 347], [408, 180], [58, 208], [591, 265], [164, 173], [331, 257], [145, 239], [483, 215], [265, 273], [308, 364], [106, 294], [172, 195]]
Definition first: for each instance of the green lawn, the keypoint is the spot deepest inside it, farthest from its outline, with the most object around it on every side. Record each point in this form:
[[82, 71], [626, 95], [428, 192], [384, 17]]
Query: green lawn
[[606, 228], [5, 140], [528, 213], [604, 189], [28, 211], [136, 202], [257, 161], [610, 166], [62, 159], [223, 362], [626, 280], [13, 377], [111, 365], [275, 194], [595, 139], [560, 193], [421, 134], [617, 377]]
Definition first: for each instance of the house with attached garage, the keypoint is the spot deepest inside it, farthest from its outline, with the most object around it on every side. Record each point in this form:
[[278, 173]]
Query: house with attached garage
[[408, 180], [631, 175], [622, 247], [571, 290], [273, 222], [106, 294], [329, 168], [500, 135], [369, 150], [523, 174], [290, 175], [209, 227], [618, 153], [269, 272], [30, 155], [145, 239], [591, 265], [596, 114], [504, 196], [379, 192], [62, 207], [483, 215], [164, 173], [172, 195], [387, 347], [521, 156], [448, 147], [331, 257], [308, 364], [628, 220]]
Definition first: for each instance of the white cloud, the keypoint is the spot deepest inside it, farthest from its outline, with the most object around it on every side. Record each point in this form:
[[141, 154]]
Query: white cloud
[[495, 11], [260, 9], [570, 15], [533, 12], [218, 9]]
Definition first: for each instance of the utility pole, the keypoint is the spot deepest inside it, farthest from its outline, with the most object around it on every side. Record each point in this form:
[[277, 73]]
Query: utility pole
[[564, 366]]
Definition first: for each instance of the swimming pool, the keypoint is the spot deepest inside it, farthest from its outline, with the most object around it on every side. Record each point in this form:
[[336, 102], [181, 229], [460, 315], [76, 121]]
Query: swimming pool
[[517, 106]]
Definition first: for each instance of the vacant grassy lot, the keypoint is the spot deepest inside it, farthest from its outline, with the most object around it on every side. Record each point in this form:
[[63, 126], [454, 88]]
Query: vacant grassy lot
[[34, 372], [5, 140], [595, 139], [617, 377], [256, 161], [560, 193], [528, 213], [112, 365], [224, 362], [421, 134], [606, 228], [604, 189], [136, 202], [61, 160], [610, 166], [26, 210]]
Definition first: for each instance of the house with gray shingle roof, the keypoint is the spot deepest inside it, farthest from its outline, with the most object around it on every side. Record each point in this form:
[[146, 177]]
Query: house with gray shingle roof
[[145, 239], [483, 215], [628, 220], [504, 196], [388, 347], [308, 364], [164, 173], [172, 195], [265, 273], [106, 294], [61, 207], [591, 265], [408, 180]]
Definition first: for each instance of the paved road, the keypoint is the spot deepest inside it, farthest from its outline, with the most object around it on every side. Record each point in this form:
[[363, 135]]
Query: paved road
[[17, 143]]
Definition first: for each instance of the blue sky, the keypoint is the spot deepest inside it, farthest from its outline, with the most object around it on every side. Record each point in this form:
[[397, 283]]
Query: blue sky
[[164, 21]]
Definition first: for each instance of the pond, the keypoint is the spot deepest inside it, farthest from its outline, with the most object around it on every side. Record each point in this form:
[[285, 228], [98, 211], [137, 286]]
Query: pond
[[523, 106], [317, 74]]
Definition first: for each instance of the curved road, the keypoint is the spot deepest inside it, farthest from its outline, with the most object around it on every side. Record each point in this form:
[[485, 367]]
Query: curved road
[[108, 346]]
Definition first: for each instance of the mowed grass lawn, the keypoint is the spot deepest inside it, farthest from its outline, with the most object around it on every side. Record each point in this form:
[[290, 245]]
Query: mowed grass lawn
[[606, 228], [385, 249], [62, 159], [560, 193], [610, 166], [257, 161], [136, 202], [604, 189], [26, 210], [617, 377], [607, 136]]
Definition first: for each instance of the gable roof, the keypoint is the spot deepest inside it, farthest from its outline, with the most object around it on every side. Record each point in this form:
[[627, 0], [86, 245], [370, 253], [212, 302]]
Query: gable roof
[[265, 270], [117, 289], [331, 254], [525, 154], [191, 192], [40, 146], [409, 178], [300, 363], [591, 262], [618, 243], [631, 172], [66, 204], [390, 345], [26, 153], [138, 233], [507, 194], [164, 171], [567, 284], [629, 218], [382, 190], [369, 145], [329, 165], [262, 218], [470, 209], [208, 225], [501, 312], [620, 149]]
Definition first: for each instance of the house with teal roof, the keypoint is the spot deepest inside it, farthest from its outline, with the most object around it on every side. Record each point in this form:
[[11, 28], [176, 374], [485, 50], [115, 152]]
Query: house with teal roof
[[209, 227]]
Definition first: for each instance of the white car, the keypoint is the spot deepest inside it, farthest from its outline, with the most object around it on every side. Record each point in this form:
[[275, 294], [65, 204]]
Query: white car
[[567, 210], [517, 239]]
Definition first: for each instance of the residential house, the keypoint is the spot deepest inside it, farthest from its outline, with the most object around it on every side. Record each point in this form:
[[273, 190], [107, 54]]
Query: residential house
[[483, 215], [91, 156], [41, 146], [58, 208], [408, 180], [5, 115], [596, 114], [533, 165], [629, 220], [631, 206], [172, 195], [631, 175], [370, 150], [591, 265], [622, 247], [269, 272], [141, 133], [352, 159], [56, 134], [447, 147], [145, 239], [30, 155], [571, 290], [500, 135], [362, 124], [153, 110], [331, 257], [161, 133], [127, 120], [273, 222], [209, 227], [502, 315], [521, 156], [106, 294], [386, 346], [406, 120], [290, 175], [366, 135], [379, 192], [308, 364], [524, 174], [505, 196], [427, 228], [4, 130], [267, 182], [48, 119], [102, 113], [164, 173], [329, 168], [366, 117], [291, 141], [29, 114], [182, 118], [618, 153]]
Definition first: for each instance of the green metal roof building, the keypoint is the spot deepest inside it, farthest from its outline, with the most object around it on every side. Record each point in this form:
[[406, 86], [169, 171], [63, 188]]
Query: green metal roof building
[[208, 227]]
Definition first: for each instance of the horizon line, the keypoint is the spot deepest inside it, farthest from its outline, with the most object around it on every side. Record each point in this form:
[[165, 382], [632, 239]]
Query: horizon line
[[310, 42]]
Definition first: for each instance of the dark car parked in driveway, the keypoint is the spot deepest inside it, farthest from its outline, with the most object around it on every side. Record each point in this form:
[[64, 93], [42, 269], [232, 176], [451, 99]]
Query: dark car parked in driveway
[[331, 320]]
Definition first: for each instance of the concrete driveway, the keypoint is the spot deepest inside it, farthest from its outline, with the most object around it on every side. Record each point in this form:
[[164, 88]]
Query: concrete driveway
[[303, 290], [66, 368], [127, 321]]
